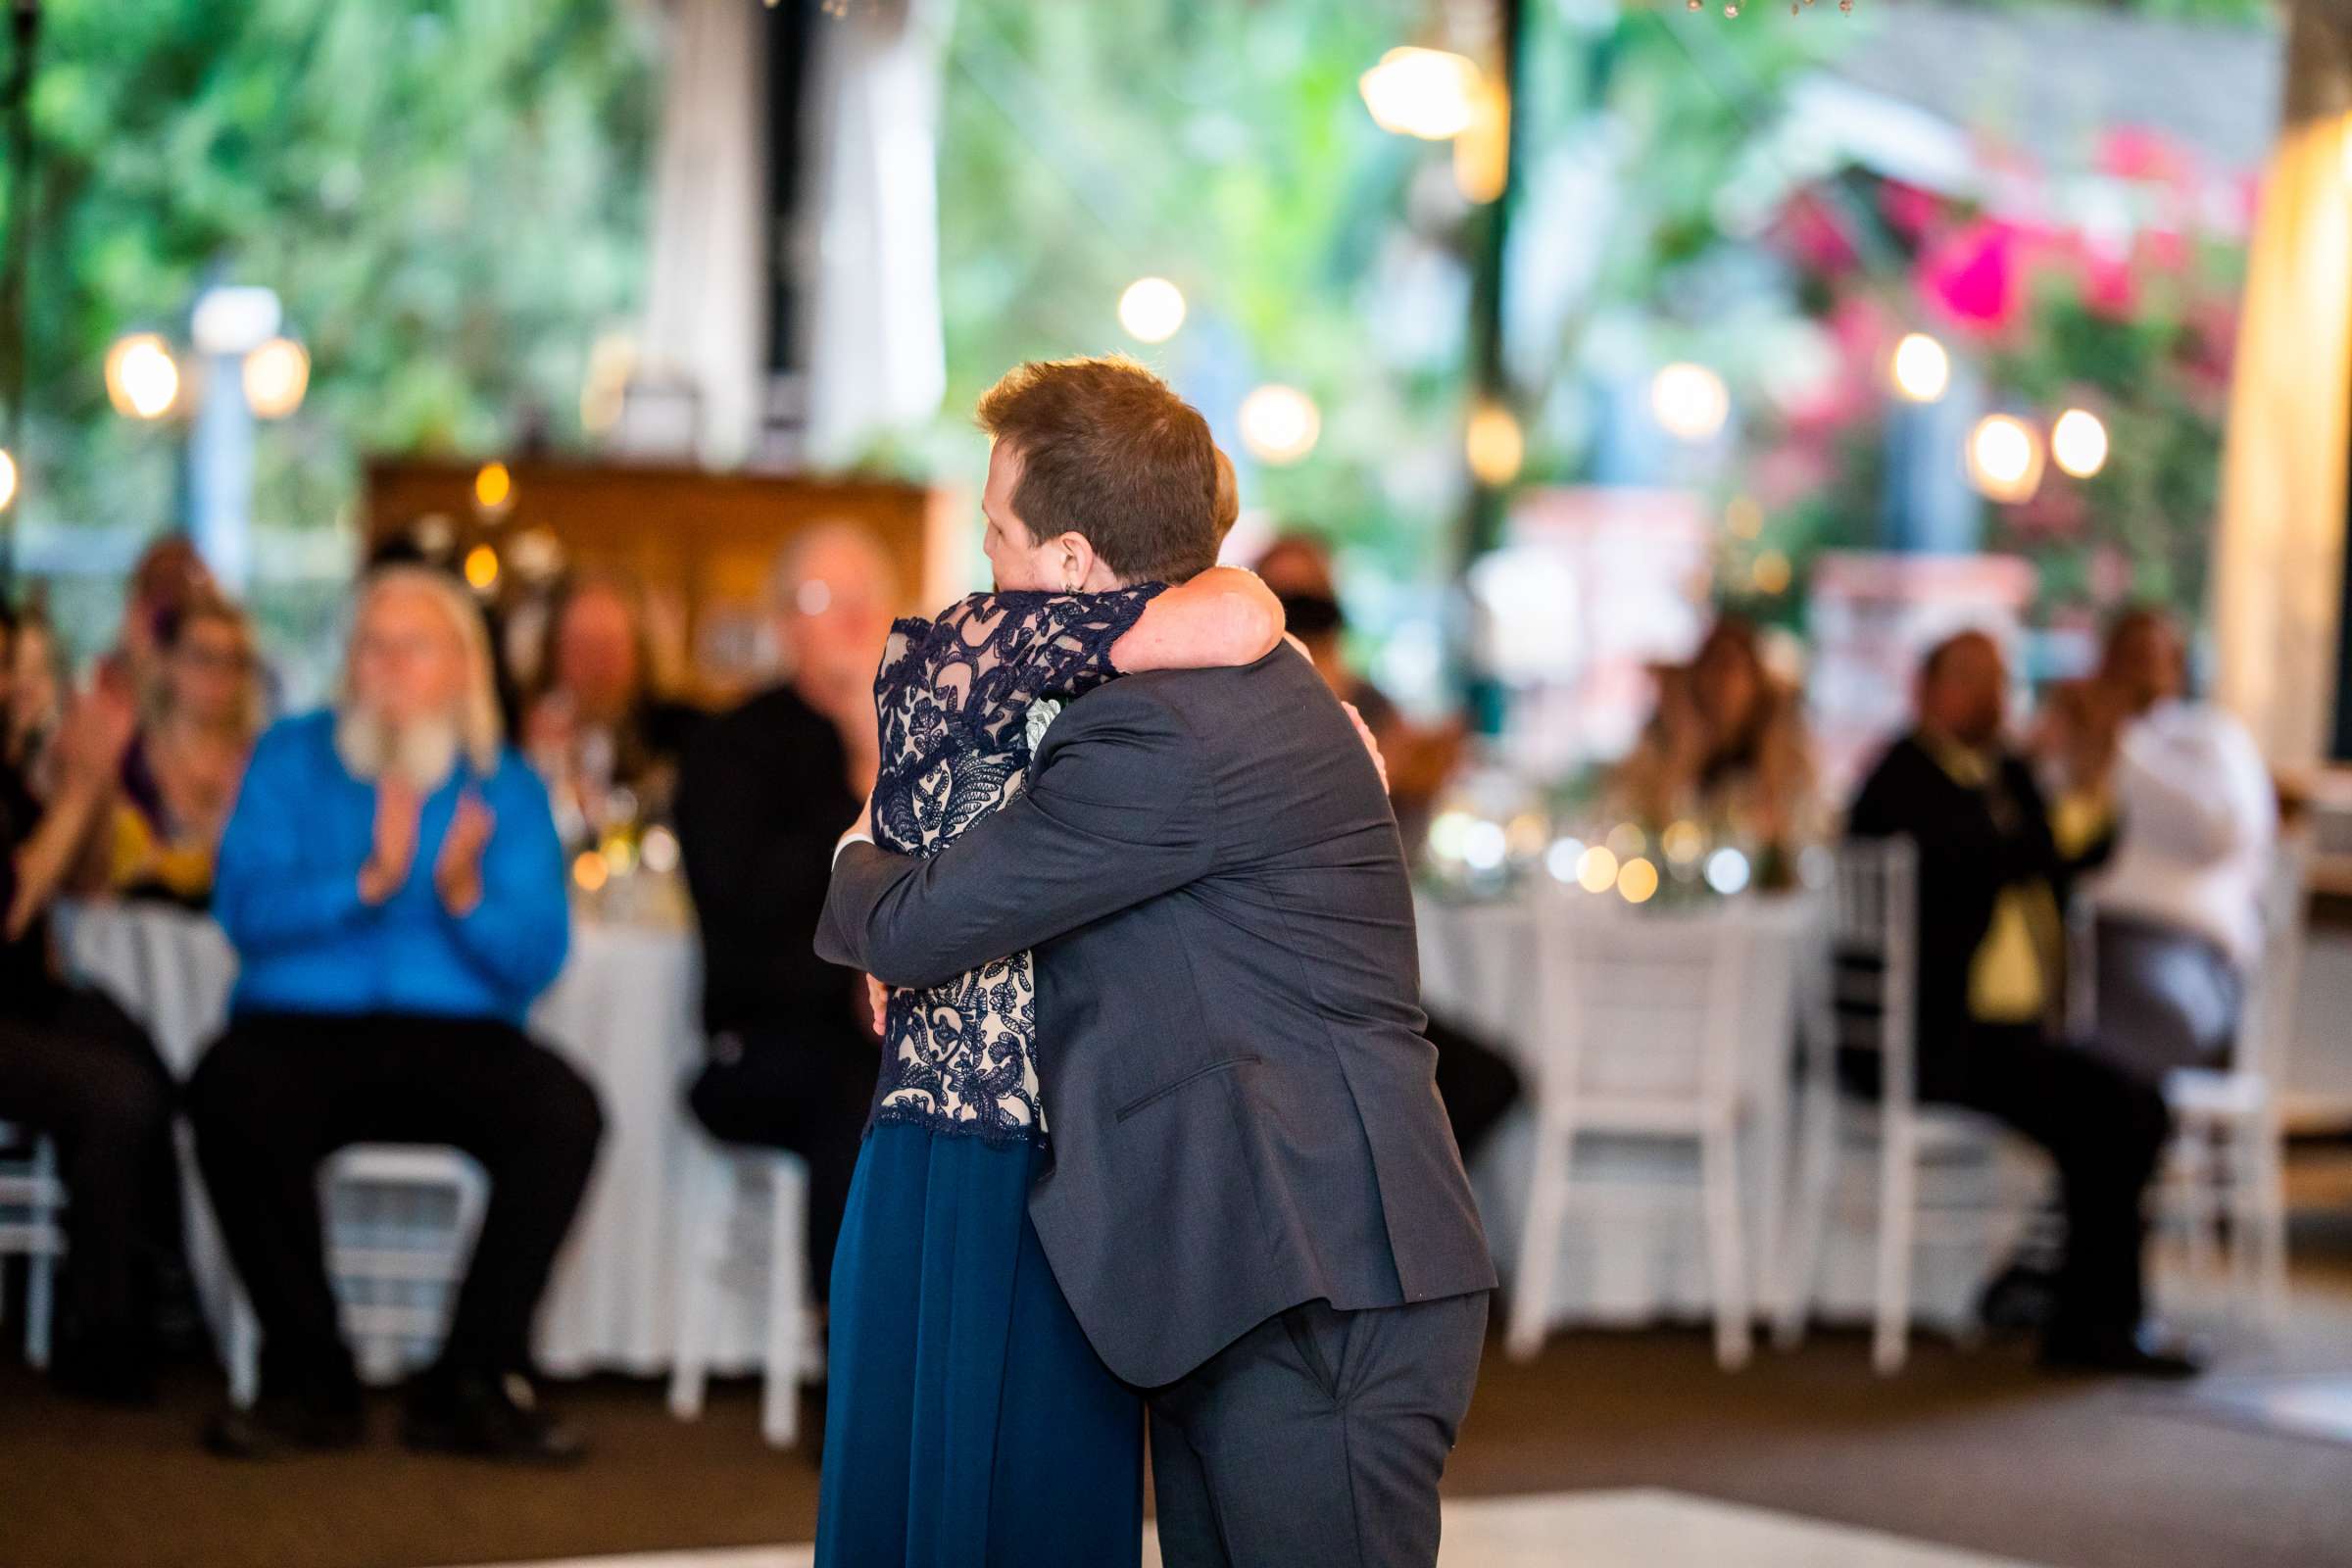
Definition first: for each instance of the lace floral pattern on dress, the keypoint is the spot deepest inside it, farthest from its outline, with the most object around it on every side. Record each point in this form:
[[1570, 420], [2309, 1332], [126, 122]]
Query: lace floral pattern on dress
[[954, 696]]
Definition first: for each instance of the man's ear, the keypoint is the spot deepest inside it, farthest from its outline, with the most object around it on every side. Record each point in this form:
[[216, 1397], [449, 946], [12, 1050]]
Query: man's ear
[[1072, 563]]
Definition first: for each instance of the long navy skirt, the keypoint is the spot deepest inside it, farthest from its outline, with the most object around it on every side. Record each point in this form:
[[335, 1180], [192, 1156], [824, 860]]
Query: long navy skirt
[[967, 1422]]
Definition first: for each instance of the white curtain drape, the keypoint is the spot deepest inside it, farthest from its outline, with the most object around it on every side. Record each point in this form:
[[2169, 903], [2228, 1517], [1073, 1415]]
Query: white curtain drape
[[875, 357], [2278, 553], [706, 305]]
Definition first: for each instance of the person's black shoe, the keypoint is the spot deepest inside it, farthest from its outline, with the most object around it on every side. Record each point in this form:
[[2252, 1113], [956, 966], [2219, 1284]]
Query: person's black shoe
[[485, 1419], [2020, 1299], [2143, 1352], [278, 1426]]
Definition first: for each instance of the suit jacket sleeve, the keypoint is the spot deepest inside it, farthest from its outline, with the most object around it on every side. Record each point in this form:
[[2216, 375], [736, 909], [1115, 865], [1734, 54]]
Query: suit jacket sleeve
[[1118, 809]]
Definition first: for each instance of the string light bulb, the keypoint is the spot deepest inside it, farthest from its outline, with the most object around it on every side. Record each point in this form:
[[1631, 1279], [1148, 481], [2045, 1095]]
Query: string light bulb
[[2078, 443], [1429, 93], [1280, 424], [1923, 370], [2005, 459], [141, 378], [1152, 310], [1689, 401]]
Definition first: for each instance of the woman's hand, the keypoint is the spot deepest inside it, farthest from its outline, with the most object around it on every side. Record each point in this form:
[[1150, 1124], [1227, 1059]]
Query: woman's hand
[[877, 1004]]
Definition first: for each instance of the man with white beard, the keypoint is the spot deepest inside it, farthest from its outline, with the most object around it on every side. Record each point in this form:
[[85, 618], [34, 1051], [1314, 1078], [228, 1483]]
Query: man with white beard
[[392, 882]]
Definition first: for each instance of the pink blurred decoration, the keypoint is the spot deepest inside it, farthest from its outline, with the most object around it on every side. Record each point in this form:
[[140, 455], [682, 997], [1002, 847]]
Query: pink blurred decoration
[[2135, 151], [2167, 250], [1909, 210], [1815, 240], [1972, 275]]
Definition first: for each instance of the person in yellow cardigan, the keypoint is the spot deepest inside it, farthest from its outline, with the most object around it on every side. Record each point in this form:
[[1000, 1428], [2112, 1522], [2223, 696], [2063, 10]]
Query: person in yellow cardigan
[[200, 713]]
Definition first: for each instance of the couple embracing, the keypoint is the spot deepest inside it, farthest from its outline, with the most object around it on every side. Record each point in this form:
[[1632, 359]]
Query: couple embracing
[[1157, 1129]]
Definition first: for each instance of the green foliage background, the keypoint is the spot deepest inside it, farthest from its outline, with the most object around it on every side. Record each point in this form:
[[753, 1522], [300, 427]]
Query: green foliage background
[[447, 195]]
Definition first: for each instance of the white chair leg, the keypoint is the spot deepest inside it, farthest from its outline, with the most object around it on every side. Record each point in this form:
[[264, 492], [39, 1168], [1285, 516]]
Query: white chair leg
[[1773, 1128], [244, 1351], [2200, 1218], [710, 1203], [1726, 1261], [40, 1297], [787, 1301], [1539, 1240], [1795, 1279], [2262, 1222], [1898, 1201], [40, 1276]]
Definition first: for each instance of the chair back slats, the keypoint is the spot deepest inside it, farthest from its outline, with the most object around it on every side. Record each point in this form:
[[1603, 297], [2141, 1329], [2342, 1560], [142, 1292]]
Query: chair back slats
[[1640, 1011], [1874, 921]]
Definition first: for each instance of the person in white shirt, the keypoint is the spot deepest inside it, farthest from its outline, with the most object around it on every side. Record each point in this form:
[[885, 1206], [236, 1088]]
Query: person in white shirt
[[2179, 903]]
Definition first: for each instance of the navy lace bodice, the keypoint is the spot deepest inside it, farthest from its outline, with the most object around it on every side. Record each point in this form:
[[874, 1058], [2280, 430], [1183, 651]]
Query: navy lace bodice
[[954, 697]]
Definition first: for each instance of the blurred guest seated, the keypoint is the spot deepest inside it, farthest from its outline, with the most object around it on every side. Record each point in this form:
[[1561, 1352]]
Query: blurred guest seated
[[764, 790], [1728, 749], [1420, 757], [607, 745], [1991, 950], [393, 884], [2180, 905], [74, 1067], [1477, 1082], [180, 778], [166, 576], [37, 704]]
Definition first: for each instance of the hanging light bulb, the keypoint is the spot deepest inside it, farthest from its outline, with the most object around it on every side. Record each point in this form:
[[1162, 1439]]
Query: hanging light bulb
[[2078, 443], [1494, 445], [276, 376], [1429, 93], [7, 479], [1280, 424], [1689, 401], [1152, 310], [2005, 459], [141, 378], [1922, 368]]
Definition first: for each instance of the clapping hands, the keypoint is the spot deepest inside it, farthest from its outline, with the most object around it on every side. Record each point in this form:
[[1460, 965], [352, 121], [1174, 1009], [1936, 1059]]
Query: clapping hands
[[457, 871]]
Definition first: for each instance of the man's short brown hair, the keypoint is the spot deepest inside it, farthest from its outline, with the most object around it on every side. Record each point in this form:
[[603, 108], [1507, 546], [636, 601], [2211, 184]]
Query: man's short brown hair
[[1110, 451]]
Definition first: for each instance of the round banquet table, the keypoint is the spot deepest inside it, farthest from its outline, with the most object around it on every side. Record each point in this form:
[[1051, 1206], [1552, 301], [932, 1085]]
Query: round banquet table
[[1623, 1264], [624, 1011]]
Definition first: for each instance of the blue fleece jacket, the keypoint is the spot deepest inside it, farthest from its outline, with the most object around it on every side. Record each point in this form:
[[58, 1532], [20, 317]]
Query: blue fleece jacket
[[287, 892]]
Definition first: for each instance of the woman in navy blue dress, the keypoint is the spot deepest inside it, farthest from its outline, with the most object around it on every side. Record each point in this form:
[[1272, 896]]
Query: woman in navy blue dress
[[968, 1423]]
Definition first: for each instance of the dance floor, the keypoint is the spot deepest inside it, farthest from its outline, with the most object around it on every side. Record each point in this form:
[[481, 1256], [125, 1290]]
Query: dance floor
[[1633, 1529]]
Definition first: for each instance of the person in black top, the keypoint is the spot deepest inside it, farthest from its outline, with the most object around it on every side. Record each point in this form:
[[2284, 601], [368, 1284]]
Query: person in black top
[[762, 796], [1991, 881], [76, 1067]]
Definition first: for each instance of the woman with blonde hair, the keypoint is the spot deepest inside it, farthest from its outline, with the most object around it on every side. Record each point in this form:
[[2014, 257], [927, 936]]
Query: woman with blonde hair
[[201, 711]]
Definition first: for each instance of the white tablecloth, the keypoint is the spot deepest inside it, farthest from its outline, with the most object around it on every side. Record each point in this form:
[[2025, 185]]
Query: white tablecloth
[[623, 1012], [1623, 1265]]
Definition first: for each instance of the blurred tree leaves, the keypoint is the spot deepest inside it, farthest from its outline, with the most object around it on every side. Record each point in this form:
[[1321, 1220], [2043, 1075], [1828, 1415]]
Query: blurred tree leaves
[[449, 196]]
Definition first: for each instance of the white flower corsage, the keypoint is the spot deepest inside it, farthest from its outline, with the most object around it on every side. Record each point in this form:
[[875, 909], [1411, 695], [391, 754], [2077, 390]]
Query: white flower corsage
[[1041, 714]]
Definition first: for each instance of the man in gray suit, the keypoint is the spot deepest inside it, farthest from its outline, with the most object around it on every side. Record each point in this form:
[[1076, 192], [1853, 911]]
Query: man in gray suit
[[1255, 1206]]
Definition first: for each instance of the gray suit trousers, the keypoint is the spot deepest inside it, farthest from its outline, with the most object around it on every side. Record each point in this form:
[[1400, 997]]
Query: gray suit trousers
[[1317, 1439]]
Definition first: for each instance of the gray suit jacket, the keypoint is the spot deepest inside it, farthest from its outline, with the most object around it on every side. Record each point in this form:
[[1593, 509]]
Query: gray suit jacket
[[1238, 1098]]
